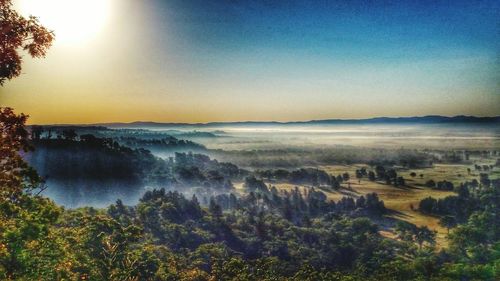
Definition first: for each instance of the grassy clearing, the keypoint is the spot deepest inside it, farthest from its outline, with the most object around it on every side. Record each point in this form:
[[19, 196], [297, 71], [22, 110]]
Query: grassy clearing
[[398, 199], [401, 200]]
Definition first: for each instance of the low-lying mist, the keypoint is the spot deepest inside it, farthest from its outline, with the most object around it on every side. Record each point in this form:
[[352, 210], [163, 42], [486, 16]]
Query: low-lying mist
[[95, 166], [412, 136]]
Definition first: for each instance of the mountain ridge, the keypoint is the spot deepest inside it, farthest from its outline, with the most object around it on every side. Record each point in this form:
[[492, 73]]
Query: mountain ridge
[[428, 119]]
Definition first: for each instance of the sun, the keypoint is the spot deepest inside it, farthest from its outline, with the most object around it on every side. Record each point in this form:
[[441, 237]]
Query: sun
[[73, 21]]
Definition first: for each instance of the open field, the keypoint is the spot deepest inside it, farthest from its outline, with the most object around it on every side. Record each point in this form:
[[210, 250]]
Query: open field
[[397, 199], [402, 201], [455, 173]]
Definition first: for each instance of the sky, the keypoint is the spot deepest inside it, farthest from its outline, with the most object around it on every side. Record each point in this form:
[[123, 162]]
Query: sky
[[203, 61]]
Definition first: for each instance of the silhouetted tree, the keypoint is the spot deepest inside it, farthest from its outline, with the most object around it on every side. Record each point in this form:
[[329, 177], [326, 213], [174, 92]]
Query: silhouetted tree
[[15, 174], [19, 33], [430, 183], [400, 181], [359, 175], [69, 134], [380, 171], [371, 176], [36, 132], [345, 176], [448, 222]]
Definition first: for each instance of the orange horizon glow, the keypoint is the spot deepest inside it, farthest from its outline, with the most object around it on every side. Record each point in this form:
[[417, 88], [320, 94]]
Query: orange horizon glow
[[170, 61]]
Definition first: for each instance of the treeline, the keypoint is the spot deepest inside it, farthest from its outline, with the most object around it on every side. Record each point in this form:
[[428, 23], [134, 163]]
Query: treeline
[[90, 158], [133, 138], [484, 180], [293, 157], [309, 176], [318, 177], [471, 197], [298, 206], [166, 144], [82, 168], [389, 176]]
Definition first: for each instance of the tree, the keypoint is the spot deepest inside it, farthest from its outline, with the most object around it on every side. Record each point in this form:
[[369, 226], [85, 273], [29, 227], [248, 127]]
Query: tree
[[345, 176], [361, 202], [371, 176], [430, 183], [399, 181], [254, 184], [448, 222], [215, 209], [484, 179], [15, 174], [340, 179], [359, 175], [25, 220], [409, 232], [427, 205], [380, 171], [19, 33], [69, 134], [36, 132], [334, 183], [424, 234], [405, 230]]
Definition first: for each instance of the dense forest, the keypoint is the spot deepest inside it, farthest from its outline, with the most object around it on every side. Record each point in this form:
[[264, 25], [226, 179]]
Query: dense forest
[[87, 169], [261, 234]]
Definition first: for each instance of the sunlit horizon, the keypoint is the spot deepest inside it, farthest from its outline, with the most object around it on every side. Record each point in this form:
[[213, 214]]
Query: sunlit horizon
[[182, 61]]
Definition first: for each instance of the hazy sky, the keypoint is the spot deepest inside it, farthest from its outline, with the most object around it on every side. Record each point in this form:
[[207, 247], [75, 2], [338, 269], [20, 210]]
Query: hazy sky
[[200, 61]]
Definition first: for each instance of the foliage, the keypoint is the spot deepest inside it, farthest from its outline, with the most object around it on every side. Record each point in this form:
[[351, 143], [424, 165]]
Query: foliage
[[264, 235], [19, 33]]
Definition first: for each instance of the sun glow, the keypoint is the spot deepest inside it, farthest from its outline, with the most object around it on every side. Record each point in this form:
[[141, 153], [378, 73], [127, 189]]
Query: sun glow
[[73, 21]]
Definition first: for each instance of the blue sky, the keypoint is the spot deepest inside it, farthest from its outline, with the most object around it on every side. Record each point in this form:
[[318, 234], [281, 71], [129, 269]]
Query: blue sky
[[196, 61]]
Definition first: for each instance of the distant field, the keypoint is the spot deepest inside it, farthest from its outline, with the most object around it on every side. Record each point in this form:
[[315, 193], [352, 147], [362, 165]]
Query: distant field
[[401, 199], [398, 199]]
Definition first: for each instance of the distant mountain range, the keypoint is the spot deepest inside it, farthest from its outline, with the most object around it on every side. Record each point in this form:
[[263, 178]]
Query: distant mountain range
[[430, 119]]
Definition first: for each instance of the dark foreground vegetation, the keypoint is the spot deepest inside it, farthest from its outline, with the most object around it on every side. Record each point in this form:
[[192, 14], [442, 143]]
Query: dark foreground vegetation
[[263, 234]]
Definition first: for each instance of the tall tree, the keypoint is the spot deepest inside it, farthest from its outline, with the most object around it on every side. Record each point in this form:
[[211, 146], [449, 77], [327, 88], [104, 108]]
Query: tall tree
[[15, 174], [448, 222], [24, 219], [17, 33]]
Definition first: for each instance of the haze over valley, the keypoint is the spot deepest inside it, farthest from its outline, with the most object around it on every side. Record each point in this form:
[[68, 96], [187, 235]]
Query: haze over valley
[[189, 140]]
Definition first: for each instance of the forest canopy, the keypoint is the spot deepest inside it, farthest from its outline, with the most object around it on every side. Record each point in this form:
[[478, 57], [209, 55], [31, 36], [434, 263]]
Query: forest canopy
[[213, 214]]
